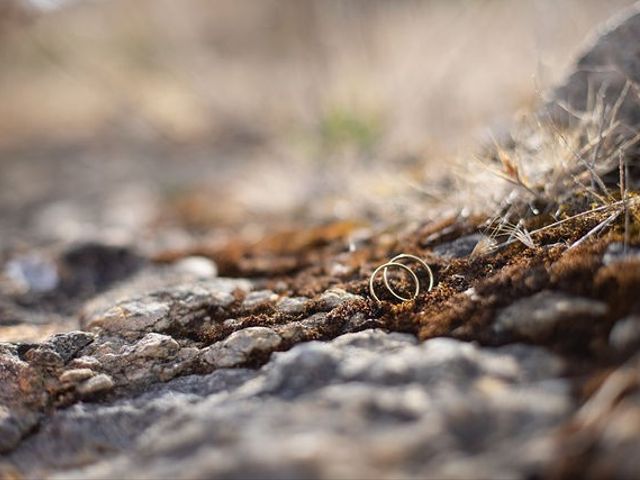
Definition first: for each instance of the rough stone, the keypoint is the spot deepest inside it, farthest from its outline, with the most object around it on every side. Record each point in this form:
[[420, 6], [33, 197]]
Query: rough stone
[[625, 334], [99, 383], [365, 404], [89, 268], [153, 345], [293, 305], [44, 357], [67, 345], [537, 316], [13, 426], [164, 309], [258, 298], [76, 375], [33, 273], [615, 253], [131, 317], [200, 267], [458, 248], [611, 58], [333, 298], [240, 346]]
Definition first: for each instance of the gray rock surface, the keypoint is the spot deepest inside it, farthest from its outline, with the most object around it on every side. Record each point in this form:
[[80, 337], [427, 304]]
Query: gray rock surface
[[538, 316], [364, 404], [615, 253], [611, 59], [625, 334], [458, 248]]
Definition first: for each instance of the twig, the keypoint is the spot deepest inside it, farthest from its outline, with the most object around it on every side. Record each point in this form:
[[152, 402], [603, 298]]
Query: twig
[[624, 190], [596, 229], [618, 104]]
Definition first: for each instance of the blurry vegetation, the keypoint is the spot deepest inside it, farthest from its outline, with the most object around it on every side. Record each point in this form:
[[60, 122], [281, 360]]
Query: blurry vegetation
[[437, 71], [350, 128], [326, 108]]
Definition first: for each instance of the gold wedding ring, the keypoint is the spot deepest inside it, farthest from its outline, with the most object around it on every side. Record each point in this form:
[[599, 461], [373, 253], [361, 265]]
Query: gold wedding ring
[[395, 263]]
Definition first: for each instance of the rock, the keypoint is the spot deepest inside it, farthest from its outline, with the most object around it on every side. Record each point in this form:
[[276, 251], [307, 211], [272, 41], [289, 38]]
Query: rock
[[537, 317], [10, 433], [241, 346], [612, 58], [359, 321], [615, 254], [90, 430], [333, 298], [88, 268], [98, 384], [258, 298], [310, 328], [460, 247], [625, 334], [76, 375], [33, 273], [44, 358], [292, 305], [13, 427], [67, 345], [131, 318], [85, 361], [21, 397], [165, 309], [369, 404], [153, 345], [199, 267]]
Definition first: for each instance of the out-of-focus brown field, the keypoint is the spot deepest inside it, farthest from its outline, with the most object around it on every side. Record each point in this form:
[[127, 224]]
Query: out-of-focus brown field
[[129, 113]]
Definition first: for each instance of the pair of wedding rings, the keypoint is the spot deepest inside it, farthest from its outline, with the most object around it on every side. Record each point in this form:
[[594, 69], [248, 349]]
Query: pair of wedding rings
[[395, 262]]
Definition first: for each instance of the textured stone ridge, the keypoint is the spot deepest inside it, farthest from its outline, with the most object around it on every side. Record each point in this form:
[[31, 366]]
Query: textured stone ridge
[[146, 338], [368, 403]]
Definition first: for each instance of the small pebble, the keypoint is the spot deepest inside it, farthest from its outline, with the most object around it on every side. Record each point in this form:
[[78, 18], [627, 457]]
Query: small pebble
[[100, 383], [200, 267], [33, 273], [258, 298], [293, 305], [76, 375]]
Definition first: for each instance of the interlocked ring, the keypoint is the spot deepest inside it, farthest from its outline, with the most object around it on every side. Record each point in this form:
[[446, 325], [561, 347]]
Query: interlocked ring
[[384, 267], [412, 258]]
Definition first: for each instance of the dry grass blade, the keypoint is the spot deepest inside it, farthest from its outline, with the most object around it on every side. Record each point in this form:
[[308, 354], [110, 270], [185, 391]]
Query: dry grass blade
[[516, 232], [624, 193], [603, 208], [601, 226]]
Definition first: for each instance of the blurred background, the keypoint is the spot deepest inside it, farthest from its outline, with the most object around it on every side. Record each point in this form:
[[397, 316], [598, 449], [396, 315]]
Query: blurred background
[[165, 122]]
